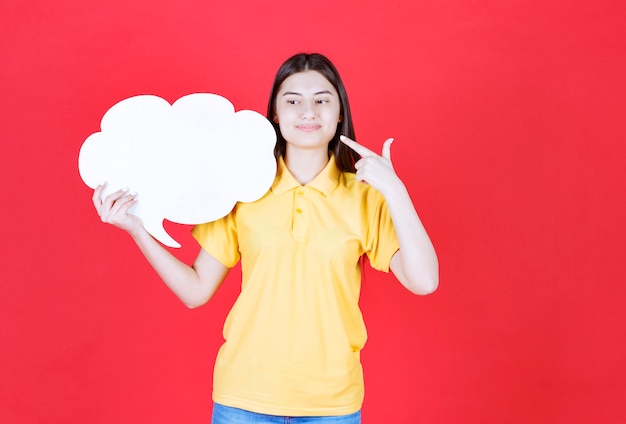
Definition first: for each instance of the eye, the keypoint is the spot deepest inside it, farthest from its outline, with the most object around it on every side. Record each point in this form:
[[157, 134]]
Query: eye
[[292, 101], [321, 101]]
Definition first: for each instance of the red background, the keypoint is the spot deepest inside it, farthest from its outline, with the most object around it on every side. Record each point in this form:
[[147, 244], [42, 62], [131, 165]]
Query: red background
[[509, 126]]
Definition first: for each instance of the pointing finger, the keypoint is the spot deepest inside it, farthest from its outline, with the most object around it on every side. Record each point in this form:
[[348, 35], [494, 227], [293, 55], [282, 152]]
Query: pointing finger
[[362, 150]]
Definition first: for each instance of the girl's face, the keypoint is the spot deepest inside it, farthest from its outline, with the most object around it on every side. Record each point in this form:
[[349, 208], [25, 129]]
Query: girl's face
[[307, 110]]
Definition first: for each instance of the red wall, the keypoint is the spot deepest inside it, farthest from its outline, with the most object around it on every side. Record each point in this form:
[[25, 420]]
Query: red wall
[[509, 126]]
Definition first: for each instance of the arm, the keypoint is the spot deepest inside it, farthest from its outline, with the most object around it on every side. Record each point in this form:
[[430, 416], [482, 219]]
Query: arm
[[415, 264], [193, 285]]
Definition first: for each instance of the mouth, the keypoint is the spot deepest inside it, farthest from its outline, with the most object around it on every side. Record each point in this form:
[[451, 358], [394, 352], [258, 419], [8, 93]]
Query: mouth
[[308, 127]]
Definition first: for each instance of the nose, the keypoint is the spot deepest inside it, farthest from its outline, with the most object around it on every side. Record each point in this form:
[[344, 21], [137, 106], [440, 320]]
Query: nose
[[308, 111]]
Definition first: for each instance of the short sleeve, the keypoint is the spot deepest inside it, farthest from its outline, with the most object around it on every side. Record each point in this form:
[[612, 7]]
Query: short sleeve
[[382, 240], [219, 238]]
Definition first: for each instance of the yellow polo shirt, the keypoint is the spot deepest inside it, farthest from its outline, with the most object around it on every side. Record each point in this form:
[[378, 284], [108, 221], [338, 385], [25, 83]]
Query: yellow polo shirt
[[294, 334]]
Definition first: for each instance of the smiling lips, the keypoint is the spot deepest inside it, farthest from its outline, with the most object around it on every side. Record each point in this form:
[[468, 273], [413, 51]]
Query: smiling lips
[[308, 127]]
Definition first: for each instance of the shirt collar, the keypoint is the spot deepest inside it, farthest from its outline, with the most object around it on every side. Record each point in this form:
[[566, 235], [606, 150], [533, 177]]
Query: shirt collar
[[325, 181]]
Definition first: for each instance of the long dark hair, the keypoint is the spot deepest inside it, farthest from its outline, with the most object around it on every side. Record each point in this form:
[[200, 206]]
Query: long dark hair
[[345, 157]]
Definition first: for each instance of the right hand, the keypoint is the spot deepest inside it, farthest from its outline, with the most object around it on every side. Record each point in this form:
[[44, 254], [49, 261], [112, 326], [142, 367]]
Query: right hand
[[114, 209]]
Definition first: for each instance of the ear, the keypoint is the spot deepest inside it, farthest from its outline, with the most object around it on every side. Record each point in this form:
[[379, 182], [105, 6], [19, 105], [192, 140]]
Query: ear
[[275, 119], [340, 119]]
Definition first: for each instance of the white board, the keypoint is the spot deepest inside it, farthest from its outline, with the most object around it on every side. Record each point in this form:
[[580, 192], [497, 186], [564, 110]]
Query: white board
[[188, 162]]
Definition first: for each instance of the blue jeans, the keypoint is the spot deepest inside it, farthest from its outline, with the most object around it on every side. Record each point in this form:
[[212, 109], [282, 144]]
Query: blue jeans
[[227, 415]]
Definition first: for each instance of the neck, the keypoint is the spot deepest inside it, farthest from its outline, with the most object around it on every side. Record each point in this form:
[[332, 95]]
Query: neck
[[304, 165]]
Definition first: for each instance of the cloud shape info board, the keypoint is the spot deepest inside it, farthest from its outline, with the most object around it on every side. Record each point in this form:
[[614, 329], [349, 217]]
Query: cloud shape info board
[[188, 162]]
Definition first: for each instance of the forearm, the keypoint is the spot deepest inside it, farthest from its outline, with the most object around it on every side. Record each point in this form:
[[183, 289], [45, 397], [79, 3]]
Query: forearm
[[415, 264], [195, 285], [182, 279]]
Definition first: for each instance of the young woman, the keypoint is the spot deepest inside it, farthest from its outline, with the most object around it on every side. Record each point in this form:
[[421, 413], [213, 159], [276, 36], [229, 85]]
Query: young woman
[[294, 334]]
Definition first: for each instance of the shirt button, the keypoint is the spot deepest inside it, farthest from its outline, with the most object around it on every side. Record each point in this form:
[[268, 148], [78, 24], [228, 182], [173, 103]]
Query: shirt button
[[300, 193], [298, 210]]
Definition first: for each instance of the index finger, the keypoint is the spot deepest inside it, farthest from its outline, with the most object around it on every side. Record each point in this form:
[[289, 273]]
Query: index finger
[[97, 195], [362, 150]]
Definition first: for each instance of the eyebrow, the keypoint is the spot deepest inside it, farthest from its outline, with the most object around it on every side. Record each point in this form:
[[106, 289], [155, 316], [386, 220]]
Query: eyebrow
[[293, 93]]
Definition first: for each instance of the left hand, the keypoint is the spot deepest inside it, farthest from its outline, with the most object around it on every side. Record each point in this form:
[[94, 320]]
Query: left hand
[[374, 169]]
